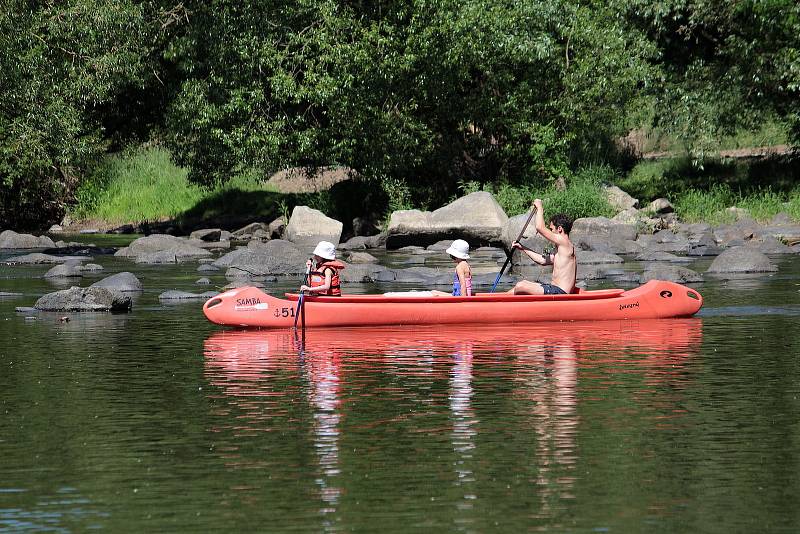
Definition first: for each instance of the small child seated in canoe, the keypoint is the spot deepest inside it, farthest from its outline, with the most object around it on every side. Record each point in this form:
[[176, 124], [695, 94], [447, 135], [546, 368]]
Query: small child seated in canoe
[[462, 277], [323, 279]]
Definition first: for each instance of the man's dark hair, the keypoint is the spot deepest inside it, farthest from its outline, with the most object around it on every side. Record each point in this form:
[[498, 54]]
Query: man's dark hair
[[565, 222]]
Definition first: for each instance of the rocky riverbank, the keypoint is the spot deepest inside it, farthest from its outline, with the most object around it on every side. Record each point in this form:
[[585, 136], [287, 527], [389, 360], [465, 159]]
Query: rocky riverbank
[[260, 253]]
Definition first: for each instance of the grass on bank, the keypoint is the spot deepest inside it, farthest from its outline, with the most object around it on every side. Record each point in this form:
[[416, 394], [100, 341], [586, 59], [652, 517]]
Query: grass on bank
[[582, 196], [144, 184], [703, 191]]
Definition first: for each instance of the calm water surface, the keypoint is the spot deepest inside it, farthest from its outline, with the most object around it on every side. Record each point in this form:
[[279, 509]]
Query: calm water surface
[[157, 421]]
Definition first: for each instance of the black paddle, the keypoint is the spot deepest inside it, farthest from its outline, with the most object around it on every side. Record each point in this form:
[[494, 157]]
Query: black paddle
[[509, 254], [301, 301]]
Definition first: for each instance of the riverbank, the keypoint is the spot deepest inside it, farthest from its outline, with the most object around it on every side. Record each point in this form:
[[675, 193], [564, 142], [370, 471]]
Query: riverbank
[[143, 190]]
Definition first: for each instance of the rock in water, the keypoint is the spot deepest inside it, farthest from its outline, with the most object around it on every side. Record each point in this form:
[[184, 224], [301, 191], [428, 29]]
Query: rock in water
[[79, 299]]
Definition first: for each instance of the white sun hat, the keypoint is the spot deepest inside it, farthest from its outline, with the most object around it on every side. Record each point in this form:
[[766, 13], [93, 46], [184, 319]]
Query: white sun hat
[[326, 250], [459, 249]]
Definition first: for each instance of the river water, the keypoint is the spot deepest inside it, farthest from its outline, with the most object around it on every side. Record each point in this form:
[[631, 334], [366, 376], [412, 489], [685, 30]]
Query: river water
[[158, 421]]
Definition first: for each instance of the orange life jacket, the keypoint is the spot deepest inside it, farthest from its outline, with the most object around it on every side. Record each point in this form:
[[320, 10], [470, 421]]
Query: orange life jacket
[[317, 278]]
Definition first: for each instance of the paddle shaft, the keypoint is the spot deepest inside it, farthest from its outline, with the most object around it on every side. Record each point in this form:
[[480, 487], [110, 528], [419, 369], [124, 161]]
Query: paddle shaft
[[509, 254], [300, 302]]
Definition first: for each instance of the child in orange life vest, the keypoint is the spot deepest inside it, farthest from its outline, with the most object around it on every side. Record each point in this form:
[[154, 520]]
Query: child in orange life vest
[[462, 277], [324, 278]]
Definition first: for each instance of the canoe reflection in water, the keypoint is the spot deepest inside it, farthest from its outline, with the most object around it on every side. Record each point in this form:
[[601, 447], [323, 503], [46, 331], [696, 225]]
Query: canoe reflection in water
[[262, 375]]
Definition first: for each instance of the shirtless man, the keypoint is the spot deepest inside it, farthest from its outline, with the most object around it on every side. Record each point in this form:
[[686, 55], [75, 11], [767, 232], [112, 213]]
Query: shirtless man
[[563, 261]]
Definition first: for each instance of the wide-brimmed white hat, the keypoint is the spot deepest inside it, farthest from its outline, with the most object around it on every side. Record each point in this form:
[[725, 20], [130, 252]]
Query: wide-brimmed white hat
[[459, 249], [325, 249]]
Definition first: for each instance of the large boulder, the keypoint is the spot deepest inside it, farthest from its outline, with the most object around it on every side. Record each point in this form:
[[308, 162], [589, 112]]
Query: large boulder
[[619, 199], [123, 282], [11, 239], [308, 226], [742, 259], [477, 218], [169, 246], [79, 299], [259, 259], [603, 226]]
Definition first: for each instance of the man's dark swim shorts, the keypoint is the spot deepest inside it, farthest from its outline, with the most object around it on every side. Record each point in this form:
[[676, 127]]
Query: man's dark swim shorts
[[550, 289]]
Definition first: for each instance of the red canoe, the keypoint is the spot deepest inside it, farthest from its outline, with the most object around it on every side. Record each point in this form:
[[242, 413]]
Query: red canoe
[[251, 307]]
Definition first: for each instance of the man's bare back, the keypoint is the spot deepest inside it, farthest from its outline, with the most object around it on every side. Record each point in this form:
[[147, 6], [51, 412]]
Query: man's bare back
[[565, 264]]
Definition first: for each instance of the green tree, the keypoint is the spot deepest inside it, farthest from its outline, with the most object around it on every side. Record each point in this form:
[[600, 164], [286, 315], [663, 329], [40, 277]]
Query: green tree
[[59, 63], [428, 93], [726, 64]]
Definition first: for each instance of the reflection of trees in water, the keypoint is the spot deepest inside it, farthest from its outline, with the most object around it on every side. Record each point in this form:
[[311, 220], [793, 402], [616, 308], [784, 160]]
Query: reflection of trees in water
[[322, 372], [260, 378], [464, 420], [548, 377]]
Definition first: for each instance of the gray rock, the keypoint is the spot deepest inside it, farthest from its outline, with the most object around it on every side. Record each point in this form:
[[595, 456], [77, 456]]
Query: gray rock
[[619, 199], [440, 246], [608, 244], [661, 206], [91, 268], [273, 257], [185, 295], [11, 239], [308, 226], [781, 219], [354, 243], [207, 268], [147, 248], [158, 258], [530, 238], [277, 228], [729, 233], [123, 282], [742, 260], [602, 226], [361, 273], [37, 258], [207, 234], [361, 257], [411, 249], [671, 273], [239, 273], [628, 216], [586, 257], [250, 228], [662, 256], [769, 245], [476, 217], [202, 281], [85, 299], [376, 241], [65, 270], [423, 275]]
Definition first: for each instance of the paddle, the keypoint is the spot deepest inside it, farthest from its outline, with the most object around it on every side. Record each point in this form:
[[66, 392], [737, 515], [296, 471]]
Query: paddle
[[300, 302], [509, 254]]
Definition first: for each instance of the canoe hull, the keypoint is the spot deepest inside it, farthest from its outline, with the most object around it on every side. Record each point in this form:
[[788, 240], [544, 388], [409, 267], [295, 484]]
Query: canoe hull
[[251, 307]]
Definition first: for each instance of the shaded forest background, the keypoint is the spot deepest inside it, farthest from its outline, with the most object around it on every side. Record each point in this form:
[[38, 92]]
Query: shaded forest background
[[416, 97]]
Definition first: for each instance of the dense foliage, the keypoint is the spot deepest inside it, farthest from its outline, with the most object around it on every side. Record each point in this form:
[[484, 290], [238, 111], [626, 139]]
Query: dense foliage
[[417, 95], [59, 63]]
